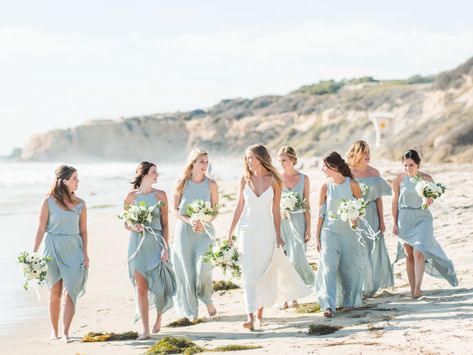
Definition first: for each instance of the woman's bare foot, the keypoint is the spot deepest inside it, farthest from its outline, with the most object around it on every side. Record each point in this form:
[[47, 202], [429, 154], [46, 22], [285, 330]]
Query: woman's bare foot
[[144, 336], [157, 324], [347, 309], [249, 325], [54, 336], [283, 306], [211, 309], [294, 304], [417, 295], [259, 317], [328, 313], [259, 322], [65, 339]]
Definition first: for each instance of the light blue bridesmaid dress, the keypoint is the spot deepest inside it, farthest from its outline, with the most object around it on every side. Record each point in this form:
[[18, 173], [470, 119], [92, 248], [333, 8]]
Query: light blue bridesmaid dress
[[340, 276], [194, 276], [416, 229], [293, 233], [64, 244], [378, 268], [146, 259]]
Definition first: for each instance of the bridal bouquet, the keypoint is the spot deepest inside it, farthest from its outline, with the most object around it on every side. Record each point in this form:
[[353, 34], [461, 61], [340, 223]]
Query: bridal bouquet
[[292, 202], [139, 213], [352, 210], [365, 189], [33, 267], [200, 210], [225, 256], [428, 189]]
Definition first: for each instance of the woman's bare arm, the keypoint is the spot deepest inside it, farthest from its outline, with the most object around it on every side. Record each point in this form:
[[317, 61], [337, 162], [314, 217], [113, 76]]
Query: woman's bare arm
[[43, 221], [238, 208]]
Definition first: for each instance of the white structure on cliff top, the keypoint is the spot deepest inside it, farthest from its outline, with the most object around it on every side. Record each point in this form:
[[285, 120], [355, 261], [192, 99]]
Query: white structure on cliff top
[[382, 122]]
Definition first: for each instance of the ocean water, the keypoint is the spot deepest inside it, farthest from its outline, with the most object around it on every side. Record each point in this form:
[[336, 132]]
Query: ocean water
[[23, 187]]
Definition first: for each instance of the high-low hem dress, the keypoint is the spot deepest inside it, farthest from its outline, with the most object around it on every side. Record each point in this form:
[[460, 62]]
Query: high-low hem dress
[[144, 257], [415, 226], [64, 245]]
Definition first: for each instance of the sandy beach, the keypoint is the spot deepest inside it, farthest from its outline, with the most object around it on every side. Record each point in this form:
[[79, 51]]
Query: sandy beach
[[441, 322]]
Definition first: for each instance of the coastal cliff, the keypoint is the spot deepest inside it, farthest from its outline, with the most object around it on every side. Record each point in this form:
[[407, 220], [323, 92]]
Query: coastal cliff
[[432, 114]]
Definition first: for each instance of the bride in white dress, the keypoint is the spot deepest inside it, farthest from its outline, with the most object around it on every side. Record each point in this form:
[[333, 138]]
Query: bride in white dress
[[268, 276]]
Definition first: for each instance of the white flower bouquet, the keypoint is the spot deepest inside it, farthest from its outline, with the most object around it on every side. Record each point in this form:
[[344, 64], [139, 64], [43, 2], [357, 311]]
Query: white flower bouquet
[[351, 211], [33, 267], [200, 210], [428, 189], [139, 213], [292, 202], [225, 256]]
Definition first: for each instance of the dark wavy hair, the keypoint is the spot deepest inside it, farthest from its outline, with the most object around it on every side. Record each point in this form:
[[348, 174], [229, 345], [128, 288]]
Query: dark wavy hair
[[141, 171], [335, 162], [59, 190], [412, 154]]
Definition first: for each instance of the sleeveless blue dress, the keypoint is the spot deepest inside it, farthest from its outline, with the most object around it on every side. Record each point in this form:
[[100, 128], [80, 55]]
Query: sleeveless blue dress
[[416, 229], [340, 276], [194, 276], [64, 244], [147, 261], [293, 233]]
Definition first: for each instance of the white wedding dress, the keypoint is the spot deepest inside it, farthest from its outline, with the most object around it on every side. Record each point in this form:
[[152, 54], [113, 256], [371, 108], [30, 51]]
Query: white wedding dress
[[268, 276]]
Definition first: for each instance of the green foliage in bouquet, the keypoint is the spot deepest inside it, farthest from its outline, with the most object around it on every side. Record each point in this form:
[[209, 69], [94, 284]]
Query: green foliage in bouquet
[[225, 256], [33, 267]]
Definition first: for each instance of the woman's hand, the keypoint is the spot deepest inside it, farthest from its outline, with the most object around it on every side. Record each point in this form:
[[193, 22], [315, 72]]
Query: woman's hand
[[197, 226], [307, 236], [354, 223], [230, 240], [138, 228], [382, 227], [429, 201], [280, 242], [395, 229], [86, 261], [165, 255]]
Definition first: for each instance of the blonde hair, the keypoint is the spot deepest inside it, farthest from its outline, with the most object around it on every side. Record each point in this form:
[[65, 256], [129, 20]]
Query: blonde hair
[[193, 156], [357, 152], [261, 153], [289, 151]]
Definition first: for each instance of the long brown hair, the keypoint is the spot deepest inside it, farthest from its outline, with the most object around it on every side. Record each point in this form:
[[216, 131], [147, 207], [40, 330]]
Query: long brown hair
[[193, 156], [335, 162], [141, 171], [261, 153], [59, 190], [357, 153]]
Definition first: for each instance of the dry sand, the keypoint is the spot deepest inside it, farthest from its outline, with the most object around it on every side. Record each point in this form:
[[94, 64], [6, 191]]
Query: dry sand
[[391, 322]]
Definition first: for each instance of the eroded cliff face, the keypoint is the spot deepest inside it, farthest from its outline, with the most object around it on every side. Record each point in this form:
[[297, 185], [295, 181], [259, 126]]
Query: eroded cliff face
[[435, 117]]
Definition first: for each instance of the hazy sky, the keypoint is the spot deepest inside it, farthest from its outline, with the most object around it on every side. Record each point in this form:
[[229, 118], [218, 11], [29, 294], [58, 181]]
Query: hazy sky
[[65, 62]]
